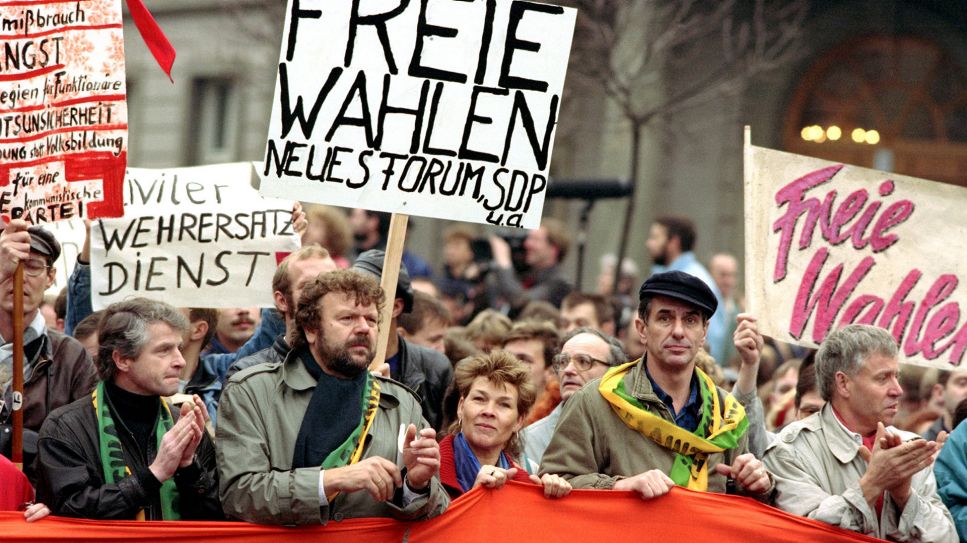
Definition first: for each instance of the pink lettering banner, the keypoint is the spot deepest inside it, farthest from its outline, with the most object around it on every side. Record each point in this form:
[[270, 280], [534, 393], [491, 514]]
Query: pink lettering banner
[[831, 244]]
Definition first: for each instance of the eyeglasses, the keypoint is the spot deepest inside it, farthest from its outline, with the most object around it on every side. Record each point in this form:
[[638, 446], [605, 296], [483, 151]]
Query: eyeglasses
[[581, 361], [35, 268]]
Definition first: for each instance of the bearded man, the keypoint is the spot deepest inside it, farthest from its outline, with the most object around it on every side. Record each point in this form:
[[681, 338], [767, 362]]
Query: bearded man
[[315, 437]]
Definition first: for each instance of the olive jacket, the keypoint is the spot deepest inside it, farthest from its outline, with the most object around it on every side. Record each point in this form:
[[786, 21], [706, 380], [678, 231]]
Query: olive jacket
[[260, 413], [593, 448]]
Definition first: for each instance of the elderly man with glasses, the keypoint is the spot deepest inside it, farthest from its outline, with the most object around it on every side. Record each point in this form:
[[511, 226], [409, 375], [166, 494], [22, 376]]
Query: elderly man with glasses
[[57, 369], [659, 421], [585, 355]]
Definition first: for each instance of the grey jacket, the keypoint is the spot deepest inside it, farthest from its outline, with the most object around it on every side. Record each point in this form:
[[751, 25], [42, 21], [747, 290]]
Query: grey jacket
[[817, 468], [260, 415]]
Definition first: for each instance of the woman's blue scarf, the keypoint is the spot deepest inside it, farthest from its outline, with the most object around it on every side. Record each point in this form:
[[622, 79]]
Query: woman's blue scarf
[[467, 464]]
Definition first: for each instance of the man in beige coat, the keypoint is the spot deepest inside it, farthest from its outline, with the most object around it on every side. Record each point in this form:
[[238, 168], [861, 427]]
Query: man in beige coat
[[843, 466], [659, 421], [315, 437]]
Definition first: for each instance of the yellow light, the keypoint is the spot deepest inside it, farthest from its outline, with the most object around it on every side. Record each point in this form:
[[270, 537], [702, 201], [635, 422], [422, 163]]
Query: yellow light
[[807, 133], [822, 137], [859, 135], [872, 137], [834, 133], [816, 132]]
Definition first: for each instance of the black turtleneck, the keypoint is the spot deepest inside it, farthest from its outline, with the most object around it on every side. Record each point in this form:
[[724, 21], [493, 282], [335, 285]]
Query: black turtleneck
[[135, 413]]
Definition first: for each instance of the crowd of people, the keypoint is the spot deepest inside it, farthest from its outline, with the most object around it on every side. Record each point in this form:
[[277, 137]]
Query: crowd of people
[[497, 369]]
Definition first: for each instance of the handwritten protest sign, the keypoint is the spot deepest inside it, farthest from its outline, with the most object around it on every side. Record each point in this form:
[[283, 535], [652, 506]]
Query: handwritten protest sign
[[439, 109], [63, 117], [70, 234], [829, 244], [193, 237]]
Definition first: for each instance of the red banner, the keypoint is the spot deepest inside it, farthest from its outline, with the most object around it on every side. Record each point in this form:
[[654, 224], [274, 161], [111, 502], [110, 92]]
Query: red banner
[[518, 512]]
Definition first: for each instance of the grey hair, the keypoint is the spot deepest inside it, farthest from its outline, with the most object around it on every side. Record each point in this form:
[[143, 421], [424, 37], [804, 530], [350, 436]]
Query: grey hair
[[124, 329], [846, 350], [616, 352]]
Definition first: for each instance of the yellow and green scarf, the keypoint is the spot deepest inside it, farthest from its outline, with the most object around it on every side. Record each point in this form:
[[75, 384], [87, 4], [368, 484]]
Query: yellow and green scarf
[[717, 431], [112, 456]]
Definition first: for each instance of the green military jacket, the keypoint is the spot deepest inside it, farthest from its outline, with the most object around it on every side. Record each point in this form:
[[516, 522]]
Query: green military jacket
[[593, 448], [259, 417]]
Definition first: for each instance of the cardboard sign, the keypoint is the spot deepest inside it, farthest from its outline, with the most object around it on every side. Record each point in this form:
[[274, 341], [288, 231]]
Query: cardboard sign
[[193, 237], [63, 116], [433, 108], [829, 244]]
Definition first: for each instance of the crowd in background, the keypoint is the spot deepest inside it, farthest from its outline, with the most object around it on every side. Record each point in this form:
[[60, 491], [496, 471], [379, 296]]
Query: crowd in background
[[500, 314]]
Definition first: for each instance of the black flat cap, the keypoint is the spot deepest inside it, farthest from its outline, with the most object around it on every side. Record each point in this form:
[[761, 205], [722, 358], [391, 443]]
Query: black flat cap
[[371, 262], [43, 242], [680, 286]]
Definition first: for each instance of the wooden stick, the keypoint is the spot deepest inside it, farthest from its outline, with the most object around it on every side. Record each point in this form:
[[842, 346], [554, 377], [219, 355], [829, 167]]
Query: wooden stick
[[18, 366], [388, 279]]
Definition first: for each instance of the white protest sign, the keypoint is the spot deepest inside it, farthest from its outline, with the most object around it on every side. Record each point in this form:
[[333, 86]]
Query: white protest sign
[[432, 108], [830, 244], [193, 237], [70, 234]]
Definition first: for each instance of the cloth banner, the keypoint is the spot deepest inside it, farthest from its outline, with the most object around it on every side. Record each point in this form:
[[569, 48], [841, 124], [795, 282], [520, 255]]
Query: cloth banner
[[517, 512], [830, 244], [193, 237], [63, 113], [436, 109]]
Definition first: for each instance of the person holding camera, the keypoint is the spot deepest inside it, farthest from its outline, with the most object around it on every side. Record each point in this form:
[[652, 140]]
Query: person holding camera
[[544, 250]]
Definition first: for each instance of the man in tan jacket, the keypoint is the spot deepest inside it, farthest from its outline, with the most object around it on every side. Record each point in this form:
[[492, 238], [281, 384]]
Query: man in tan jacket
[[844, 465], [659, 421]]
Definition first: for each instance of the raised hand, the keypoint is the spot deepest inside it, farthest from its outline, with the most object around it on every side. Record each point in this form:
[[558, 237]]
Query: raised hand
[[421, 456]]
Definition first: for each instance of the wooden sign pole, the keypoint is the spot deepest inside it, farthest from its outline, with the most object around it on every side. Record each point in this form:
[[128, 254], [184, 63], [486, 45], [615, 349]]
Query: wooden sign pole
[[391, 272], [16, 455]]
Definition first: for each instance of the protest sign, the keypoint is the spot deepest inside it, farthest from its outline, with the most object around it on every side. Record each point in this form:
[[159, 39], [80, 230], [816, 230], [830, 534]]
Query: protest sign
[[70, 234], [830, 244], [63, 117], [438, 109], [193, 237]]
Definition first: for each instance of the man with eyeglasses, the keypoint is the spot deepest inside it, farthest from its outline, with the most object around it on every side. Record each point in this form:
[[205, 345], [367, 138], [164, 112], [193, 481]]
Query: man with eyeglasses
[[585, 355], [57, 369], [659, 421]]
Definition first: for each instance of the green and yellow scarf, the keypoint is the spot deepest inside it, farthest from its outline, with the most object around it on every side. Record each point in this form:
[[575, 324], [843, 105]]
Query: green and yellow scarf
[[717, 431], [112, 456]]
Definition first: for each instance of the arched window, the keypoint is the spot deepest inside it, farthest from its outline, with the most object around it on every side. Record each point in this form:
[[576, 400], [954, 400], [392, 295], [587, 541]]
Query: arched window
[[887, 102]]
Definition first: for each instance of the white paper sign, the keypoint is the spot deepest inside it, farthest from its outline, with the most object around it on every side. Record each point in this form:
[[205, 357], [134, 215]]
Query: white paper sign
[[70, 234], [193, 237], [435, 108]]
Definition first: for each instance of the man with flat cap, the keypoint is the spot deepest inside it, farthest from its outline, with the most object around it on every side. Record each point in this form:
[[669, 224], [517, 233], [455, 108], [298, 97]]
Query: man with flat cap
[[425, 371], [660, 421], [57, 369]]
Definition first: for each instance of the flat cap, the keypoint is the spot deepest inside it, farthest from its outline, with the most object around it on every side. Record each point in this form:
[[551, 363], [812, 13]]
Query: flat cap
[[371, 262], [680, 286], [43, 242]]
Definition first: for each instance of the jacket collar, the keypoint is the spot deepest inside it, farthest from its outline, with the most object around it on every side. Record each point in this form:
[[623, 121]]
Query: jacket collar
[[297, 377], [294, 373], [840, 440], [639, 385]]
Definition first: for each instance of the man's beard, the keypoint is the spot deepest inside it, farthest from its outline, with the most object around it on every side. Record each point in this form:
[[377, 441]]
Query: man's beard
[[339, 359], [662, 257]]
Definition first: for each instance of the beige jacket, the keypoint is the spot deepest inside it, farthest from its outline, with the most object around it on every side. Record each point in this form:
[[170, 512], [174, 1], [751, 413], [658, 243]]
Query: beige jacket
[[259, 417], [817, 469], [593, 448]]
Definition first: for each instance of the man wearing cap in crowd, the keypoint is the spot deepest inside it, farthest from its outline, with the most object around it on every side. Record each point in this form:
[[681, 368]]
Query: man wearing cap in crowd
[[424, 370], [57, 369], [659, 421]]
